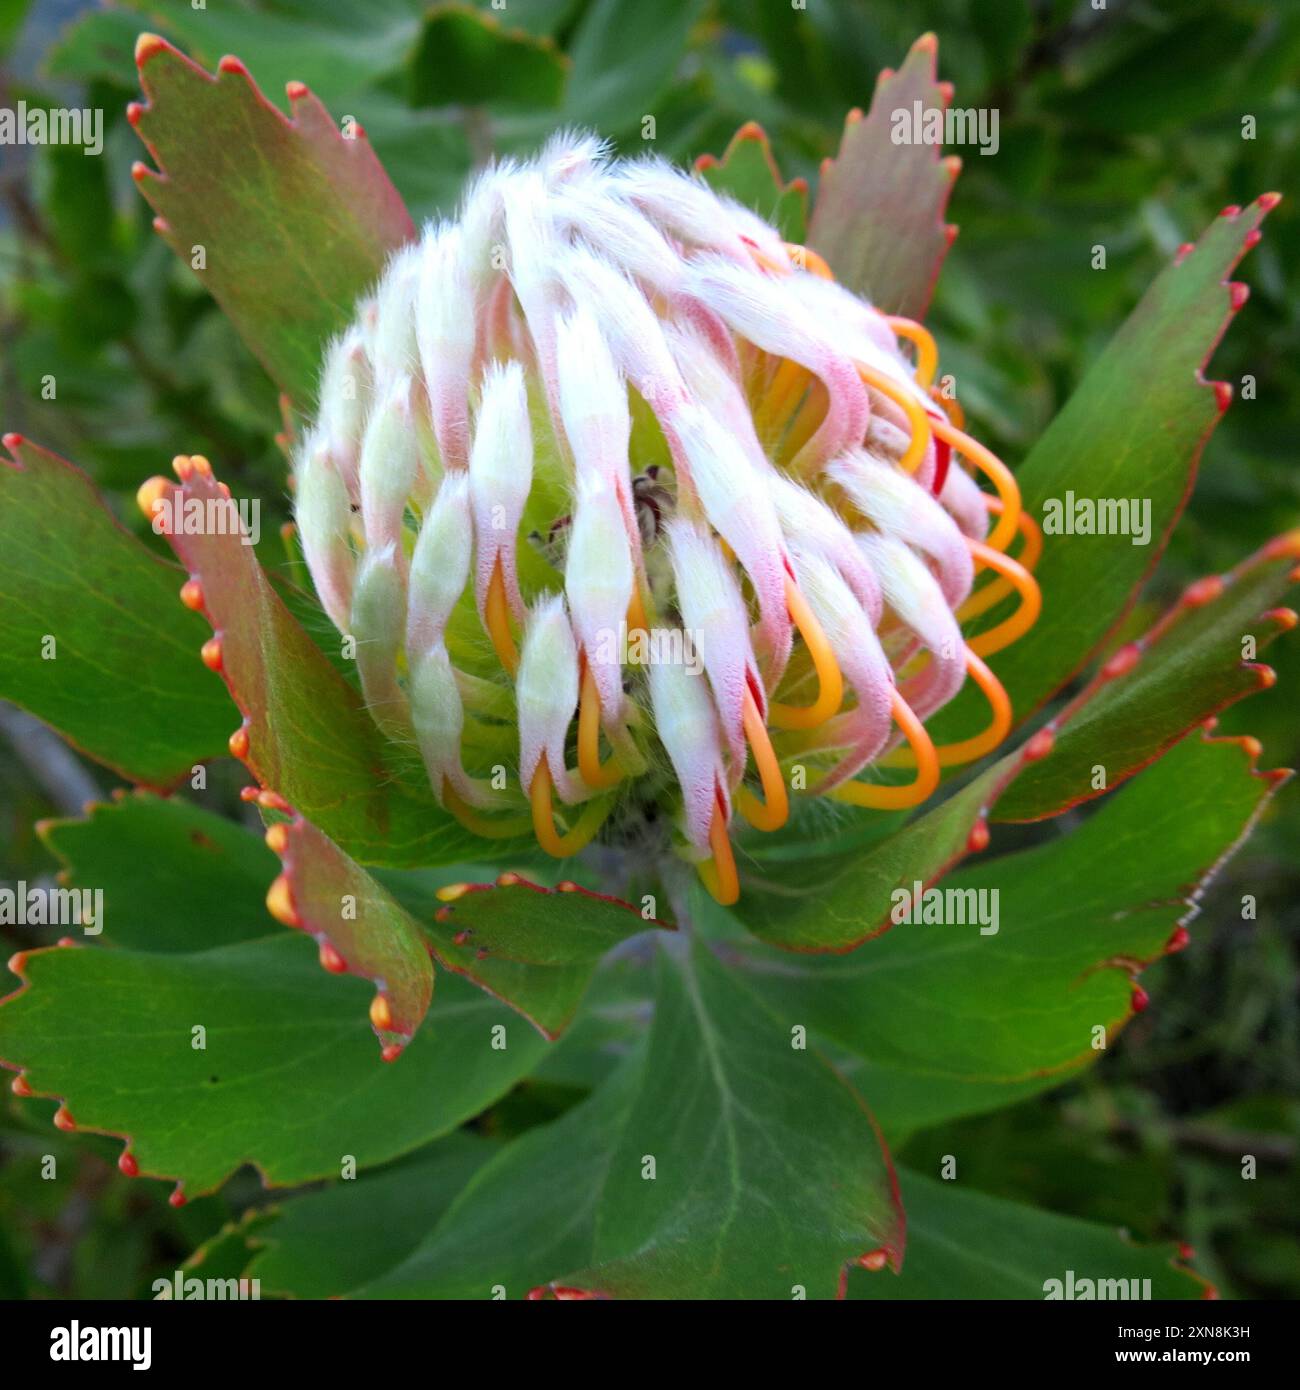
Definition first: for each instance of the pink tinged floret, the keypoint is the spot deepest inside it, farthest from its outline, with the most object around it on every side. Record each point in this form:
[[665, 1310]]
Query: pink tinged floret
[[392, 340], [863, 730], [533, 258], [346, 393], [898, 506], [437, 718], [743, 515], [763, 310], [547, 693], [806, 519], [324, 515], [390, 462], [914, 595], [692, 736], [378, 625], [713, 609], [598, 580], [964, 499], [630, 327], [500, 476], [440, 564], [445, 330]]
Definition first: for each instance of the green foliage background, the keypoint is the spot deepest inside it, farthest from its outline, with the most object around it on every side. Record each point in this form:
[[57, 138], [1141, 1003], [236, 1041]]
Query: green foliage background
[[1120, 126]]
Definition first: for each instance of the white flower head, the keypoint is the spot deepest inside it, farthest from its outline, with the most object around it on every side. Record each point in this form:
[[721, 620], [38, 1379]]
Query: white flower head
[[607, 472]]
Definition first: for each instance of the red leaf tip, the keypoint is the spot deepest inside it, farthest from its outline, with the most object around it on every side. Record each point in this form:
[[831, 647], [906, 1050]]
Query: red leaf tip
[[231, 64], [295, 91], [127, 1166], [1268, 201], [146, 46]]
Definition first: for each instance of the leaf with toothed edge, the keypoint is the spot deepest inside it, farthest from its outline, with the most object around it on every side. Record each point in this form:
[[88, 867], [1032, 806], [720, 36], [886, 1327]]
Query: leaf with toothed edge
[[747, 172], [965, 1244], [174, 876], [533, 947], [837, 900], [878, 215], [288, 1079], [121, 683], [360, 929], [1134, 428], [306, 734], [1186, 669], [327, 1243], [296, 220], [528, 1213], [946, 1020], [769, 1169]]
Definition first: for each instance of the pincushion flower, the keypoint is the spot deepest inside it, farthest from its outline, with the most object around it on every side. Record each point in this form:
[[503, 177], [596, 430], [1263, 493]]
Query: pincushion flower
[[605, 407]]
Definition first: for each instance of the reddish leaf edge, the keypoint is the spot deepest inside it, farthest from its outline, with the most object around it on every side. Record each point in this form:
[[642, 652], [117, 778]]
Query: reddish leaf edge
[[1038, 745], [1123, 662], [453, 892], [284, 838], [753, 133], [15, 444], [302, 100], [1237, 293], [927, 45], [63, 1120]]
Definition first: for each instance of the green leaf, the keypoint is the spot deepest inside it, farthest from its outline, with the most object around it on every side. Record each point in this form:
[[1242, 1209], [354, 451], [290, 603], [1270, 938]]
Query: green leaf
[[92, 639], [1189, 667], [535, 948], [467, 57], [965, 1244], [310, 737], [1135, 429], [174, 877], [361, 930], [328, 1243], [526, 1214], [288, 1078], [835, 900], [624, 54], [294, 219], [950, 1019], [878, 215], [747, 171], [769, 1170]]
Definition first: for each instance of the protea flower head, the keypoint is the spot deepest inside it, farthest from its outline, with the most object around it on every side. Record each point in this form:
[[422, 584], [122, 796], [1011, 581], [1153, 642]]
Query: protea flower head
[[629, 507]]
